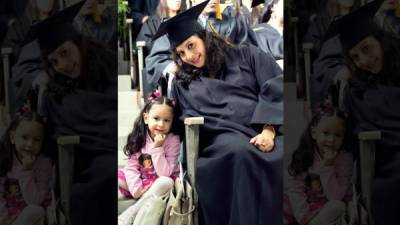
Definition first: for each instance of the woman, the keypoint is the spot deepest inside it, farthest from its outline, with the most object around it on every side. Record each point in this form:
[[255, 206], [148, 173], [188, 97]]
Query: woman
[[165, 9], [371, 99], [81, 100], [239, 93]]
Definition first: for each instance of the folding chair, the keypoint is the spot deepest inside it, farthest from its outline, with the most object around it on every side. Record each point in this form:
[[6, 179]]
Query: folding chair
[[192, 151], [367, 141], [6, 52], [65, 172]]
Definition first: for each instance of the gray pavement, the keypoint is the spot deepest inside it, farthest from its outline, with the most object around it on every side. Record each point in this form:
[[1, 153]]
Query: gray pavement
[[128, 110]]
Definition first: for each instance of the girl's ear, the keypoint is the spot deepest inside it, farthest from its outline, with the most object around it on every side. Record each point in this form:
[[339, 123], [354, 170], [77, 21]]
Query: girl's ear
[[12, 137], [145, 117]]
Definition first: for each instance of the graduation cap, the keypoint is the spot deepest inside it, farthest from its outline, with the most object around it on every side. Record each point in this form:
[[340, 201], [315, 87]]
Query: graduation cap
[[355, 26], [182, 26], [56, 29], [255, 3]]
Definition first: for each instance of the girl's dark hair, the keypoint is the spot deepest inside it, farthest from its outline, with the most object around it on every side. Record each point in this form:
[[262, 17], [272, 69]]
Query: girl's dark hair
[[97, 67], [7, 148], [303, 156], [137, 138], [362, 79], [215, 46]]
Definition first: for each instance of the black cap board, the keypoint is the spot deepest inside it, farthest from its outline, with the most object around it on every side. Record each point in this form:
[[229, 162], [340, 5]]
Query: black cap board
[[355, 26]]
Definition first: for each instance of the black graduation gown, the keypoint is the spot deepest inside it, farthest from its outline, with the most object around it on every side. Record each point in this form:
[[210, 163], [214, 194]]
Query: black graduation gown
[[378, 108], [325, 69], [147, 32], [269, 40], [236, 182], [91, 115]]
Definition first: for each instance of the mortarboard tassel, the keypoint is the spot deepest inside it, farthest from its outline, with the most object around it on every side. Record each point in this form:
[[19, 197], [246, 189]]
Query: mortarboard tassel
[[218, 13]]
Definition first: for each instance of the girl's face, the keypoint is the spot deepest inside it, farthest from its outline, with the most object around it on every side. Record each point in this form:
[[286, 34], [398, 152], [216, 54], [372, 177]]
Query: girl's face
[[173, 5], [27, 138], [329, 134], [193, 51], [368, 55], [159, 119], [66, 59]]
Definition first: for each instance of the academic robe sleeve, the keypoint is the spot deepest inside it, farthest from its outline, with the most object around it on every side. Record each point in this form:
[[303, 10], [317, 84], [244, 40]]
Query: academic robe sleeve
[[245, 35], [157, 61], [269, 109]]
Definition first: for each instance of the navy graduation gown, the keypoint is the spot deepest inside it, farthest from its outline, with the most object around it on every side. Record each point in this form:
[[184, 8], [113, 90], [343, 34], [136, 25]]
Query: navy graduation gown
[[377, 108], [92, 115], [237, 183]]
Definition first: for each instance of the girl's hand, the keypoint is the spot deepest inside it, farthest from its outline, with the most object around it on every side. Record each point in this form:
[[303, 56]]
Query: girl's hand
[[141, 191], [329, 157], [27, 161], [264, 141], [159, 140]]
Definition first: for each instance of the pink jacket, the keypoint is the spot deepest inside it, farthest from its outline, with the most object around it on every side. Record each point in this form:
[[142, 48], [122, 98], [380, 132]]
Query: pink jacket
[[335, 181], [34, 184], [165, 161]]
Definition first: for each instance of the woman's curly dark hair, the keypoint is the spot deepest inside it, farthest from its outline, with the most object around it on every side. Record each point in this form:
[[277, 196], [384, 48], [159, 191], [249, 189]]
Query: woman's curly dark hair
[[362, 80], [215, 46], [97, 67]]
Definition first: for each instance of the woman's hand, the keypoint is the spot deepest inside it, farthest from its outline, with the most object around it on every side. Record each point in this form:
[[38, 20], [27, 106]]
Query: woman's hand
[[265, 140]]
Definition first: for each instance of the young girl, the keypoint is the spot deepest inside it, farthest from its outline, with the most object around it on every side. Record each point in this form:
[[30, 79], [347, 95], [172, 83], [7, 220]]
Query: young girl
[[24, 171], [151, 135], [319, 181]]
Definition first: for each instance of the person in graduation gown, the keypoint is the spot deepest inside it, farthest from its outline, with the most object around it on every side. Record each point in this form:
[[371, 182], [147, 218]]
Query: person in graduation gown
[[371, 99], [97, 21], [269, 39], [159, 63], [81, 100], [165, 10], [238, 91]]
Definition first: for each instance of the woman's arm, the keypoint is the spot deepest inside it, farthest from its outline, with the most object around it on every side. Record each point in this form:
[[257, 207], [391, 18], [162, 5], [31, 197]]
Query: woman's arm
[[269, 78]]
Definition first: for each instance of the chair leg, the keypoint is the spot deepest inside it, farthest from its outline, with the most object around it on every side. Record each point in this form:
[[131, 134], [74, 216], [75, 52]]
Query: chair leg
[[192, 151]]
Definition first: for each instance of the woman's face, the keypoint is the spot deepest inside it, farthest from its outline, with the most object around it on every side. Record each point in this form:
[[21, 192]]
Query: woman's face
[[193, 51], [173, 5], [66, 59], [368, 55]]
